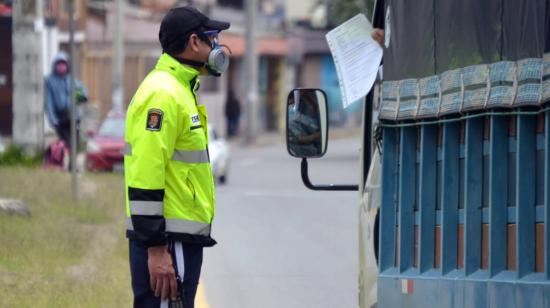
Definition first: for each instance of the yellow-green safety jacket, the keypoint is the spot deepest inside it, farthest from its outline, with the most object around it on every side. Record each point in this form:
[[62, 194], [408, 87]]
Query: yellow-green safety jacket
[[169, 183]]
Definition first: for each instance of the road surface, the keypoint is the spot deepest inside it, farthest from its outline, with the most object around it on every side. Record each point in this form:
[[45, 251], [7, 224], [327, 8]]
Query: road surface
[[280, 244]]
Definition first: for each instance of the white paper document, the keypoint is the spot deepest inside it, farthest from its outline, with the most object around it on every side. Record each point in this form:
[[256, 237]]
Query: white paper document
[[356, 57]]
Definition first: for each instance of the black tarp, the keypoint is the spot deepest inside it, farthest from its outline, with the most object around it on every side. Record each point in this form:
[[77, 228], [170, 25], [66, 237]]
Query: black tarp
[[430, 37], [523, 27], [467, 33], [409, 55]]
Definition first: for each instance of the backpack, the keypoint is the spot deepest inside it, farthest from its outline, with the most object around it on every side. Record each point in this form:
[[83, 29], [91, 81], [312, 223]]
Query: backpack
[[55, 154]]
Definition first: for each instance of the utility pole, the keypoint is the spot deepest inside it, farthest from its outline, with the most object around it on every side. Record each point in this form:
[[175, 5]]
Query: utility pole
[[72, 101], [117, 72], [251, 60], [28, 79]]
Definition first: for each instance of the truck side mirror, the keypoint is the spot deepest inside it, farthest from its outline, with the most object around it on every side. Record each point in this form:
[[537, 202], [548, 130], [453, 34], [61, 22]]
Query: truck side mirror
[[306, 123]]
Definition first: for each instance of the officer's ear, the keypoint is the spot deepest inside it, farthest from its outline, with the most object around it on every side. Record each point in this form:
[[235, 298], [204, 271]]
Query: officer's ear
[[194, 42]]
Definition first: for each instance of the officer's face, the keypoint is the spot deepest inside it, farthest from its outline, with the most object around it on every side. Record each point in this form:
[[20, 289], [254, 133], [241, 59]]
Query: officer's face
[[199, 50]]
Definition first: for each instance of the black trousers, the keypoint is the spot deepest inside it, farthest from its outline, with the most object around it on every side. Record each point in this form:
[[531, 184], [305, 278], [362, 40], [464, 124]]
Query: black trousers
[[232, 126], [144, 297], [63, 131]]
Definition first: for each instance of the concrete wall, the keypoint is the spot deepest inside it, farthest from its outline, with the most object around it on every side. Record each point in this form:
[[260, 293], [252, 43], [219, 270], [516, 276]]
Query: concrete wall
[[28, 80], [310, 72]]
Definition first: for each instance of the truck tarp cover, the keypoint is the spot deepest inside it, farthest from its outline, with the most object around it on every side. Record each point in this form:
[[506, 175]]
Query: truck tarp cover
[[429, 37]]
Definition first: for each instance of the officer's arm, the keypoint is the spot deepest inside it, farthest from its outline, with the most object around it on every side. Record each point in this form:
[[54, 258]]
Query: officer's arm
[[151, 149]]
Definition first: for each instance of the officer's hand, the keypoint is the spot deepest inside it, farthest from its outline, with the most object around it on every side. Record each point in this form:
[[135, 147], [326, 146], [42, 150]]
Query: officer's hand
[[161, 271], [378, 35]]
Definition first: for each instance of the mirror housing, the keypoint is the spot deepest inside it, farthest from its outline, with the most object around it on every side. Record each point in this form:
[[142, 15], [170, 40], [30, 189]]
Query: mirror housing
[[307, 123]]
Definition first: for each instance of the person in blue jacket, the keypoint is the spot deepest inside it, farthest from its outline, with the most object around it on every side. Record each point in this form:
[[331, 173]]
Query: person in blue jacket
[[57, 93]]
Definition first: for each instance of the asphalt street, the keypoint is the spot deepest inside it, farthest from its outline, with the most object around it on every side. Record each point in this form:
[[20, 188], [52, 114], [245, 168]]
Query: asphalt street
[[281, 245]]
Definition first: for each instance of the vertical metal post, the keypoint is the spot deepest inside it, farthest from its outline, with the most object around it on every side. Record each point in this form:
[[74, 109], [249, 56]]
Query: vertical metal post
[[525, 195], [251, 60], [427, 198], [473, 177], [117, 72], [547, 195], [449, 196], [498, 193], [367, 136], [388, 199], [407, 174], [74, 188]]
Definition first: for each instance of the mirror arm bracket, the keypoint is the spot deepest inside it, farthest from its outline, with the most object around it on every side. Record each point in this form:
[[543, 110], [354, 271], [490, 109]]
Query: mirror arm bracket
[[331, 187]]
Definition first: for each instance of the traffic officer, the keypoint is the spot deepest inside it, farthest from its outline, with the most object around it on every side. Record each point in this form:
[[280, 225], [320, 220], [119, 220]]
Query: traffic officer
[[169, 183]]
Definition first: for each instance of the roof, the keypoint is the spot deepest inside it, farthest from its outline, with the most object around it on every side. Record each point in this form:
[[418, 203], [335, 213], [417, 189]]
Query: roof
[[144, 31]]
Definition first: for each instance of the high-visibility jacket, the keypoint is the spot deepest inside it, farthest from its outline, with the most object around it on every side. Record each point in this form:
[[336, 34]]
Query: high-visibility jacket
[[169, 183]]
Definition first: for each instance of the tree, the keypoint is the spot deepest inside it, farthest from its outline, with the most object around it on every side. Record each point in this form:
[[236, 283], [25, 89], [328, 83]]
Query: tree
[[339, 11]]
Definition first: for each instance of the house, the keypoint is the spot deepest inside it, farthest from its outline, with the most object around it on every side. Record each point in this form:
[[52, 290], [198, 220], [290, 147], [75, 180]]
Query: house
[[310, 54], [291, 53], [54, 37], [142, 21]]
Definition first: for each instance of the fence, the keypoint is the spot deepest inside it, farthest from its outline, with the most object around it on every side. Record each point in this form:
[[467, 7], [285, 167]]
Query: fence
[[96, 75], [465, 203]]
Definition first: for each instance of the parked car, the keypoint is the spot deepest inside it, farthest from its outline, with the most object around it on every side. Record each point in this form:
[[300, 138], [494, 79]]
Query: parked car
[[105, 149], [219, 155]]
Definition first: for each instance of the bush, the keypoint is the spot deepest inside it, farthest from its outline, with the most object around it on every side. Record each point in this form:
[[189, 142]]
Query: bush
[[15, 156]]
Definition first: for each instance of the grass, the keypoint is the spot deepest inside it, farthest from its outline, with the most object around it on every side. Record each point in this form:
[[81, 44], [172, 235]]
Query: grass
[[63, 255]]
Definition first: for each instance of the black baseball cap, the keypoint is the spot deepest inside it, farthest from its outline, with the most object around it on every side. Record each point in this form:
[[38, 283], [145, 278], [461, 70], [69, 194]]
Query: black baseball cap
[[181, 21]]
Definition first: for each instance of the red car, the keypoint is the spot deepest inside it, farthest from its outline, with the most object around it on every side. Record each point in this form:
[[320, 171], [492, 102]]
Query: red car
[[105, 149]]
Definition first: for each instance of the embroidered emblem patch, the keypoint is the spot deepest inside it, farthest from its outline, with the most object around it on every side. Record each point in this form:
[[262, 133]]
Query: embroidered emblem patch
[[154, 119]]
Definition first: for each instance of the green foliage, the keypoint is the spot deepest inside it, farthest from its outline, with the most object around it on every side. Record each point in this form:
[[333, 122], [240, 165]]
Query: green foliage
[[15, 156], [339, 11]]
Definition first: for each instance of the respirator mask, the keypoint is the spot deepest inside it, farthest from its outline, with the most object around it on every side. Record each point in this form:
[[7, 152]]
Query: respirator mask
[[218, 59]]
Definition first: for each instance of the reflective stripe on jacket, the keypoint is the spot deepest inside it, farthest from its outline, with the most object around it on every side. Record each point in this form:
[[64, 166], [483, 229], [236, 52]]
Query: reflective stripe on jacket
[[169, 183]]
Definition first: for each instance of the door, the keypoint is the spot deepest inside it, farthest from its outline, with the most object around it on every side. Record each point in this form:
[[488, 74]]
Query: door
[[6, 115]]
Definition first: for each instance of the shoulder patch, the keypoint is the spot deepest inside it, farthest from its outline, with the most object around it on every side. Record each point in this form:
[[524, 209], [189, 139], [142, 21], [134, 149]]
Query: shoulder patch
[[154, 119], [195, 119]]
